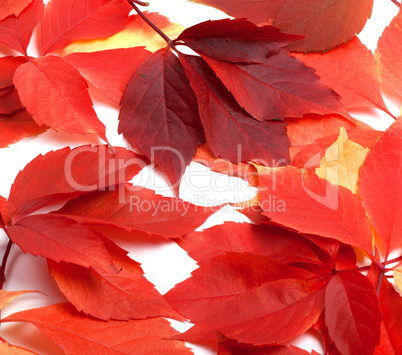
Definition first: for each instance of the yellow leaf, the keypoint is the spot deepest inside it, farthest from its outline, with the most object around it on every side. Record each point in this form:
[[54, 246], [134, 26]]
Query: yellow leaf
[[398, 277], [342, 161], [137, 33]]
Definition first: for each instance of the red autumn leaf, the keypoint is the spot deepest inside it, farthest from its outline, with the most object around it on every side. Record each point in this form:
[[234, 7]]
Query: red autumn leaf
[[391, 309], [388, 55], [381, 201], [16, 32], [350, 70], [256, 11], [274, 242], [235, 40], [315, 206], [7, 296], [225, 279], [8, 349], [71, 106], [271, 313], [159, 115], [325, 24], [68, 173], [17, 126], [352, 313], [109, 71], [77, 333], [12, 7], [277, 88], [139, 209], [122, 296], [61, 239], [231, 132], [65, 21], [9, 102]]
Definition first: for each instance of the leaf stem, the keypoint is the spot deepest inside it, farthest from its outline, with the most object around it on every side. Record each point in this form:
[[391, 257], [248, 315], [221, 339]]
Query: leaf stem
[[399, 258], [149, 22], [4, 262], [396, 3], [379, 282]]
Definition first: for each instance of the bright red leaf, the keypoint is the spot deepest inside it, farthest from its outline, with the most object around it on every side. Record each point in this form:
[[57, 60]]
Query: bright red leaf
[[8, 349], [76, 333], [277, 88], [325, 24], [352, 313], [12, 7], [381, 201], [109, 71], [71, 106], [65, 21], [61, 239], [16, 32], [231, 132], [256, 11], [68, 173], [127, 294], [315, 206], [169, 130], [235, 40], [17, 126], [274, 242], [140, 209], [388, 55], [350, 70]]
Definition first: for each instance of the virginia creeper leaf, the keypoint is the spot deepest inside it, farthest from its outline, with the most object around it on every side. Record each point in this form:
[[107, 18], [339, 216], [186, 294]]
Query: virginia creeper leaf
[[277, 88], [10, 102], [76, 333], [235, 40], [7, 296], [68, 173], [110, 70], [139, 209], [388, 56], [8, 349], [121, 296], [8, 66], [12, 7], [136, 33], [352, 313], [274, 242], [325, 24], [256, 11], [61, 239], [350, 70], [315, 206], [65, 21], [17, 126], [67, 105], [159, 114], [381, 200], [16, 32], [231, 132], [224, 279]]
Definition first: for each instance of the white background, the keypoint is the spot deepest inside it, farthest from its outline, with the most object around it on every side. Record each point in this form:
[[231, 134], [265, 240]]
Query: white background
[[164, 263]]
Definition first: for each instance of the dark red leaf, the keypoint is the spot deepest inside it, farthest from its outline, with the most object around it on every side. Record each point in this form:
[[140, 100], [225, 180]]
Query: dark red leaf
[[159, 115], [78, 334], [110, 70], [275, 242], [382, 201], [277, 88], [68, 173], [16, 32], [352, 313], [10, 102], [66, 105], [17, 126], [313, 205], [8, 66], [139, 209], [325, 24], [61, 239], [231, 132], [350, 70], [12, 7], [127, 294], [256, 11], [65, 21], [235, 40]]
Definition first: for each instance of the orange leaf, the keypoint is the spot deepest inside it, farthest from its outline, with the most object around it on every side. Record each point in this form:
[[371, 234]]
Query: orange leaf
[[7, 296], [8, 349]]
